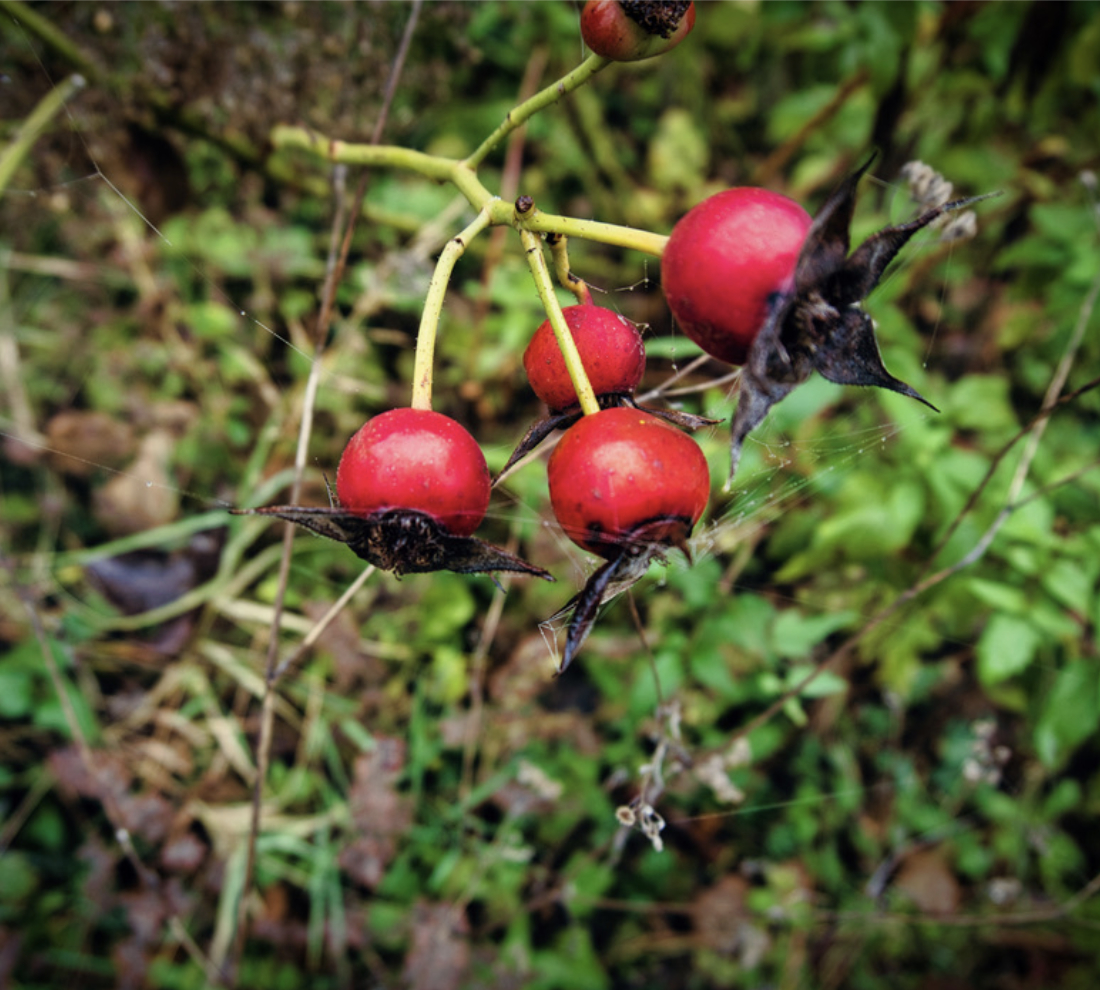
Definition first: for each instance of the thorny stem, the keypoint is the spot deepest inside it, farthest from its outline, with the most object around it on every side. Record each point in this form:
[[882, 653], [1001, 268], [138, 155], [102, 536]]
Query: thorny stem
[[542, 99], [433, 306], [532, 246]]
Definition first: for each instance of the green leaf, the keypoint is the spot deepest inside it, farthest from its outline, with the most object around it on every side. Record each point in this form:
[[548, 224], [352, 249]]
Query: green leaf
[[1002, 597], [795, 634], [1071, 712], [1006, 648]]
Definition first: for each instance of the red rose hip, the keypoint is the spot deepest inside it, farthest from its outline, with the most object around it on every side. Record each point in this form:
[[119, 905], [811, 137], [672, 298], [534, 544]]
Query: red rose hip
[[632, 30], [415, 459], [724, 261], [611, 351], [622, 474]]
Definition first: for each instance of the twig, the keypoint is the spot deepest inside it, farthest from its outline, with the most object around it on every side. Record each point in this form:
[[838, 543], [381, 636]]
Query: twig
[[335, 265]]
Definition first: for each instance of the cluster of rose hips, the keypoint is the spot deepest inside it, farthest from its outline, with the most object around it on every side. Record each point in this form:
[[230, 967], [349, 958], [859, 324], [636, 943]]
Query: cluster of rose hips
[[748, 275]]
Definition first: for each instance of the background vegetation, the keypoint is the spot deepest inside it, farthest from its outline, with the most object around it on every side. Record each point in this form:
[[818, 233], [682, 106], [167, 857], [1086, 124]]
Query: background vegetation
[[439, 810]]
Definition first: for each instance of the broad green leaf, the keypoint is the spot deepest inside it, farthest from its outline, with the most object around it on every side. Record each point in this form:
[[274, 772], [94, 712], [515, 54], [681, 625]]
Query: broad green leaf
[[794, 634], [1006, 648], [1070, 713]]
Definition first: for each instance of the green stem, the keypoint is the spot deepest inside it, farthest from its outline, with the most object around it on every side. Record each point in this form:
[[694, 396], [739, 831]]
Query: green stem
[[466, 181], [433, 307], [559, 251], [590, 230], [542, 99], [385, 156], [27, 133], [532, 246]]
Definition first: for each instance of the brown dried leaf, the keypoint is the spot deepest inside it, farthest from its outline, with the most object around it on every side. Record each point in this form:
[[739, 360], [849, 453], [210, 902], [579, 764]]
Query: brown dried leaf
[[719, 913], [108, 774], [440, 953], [142, 497], [148, 816], [183, 853], [378, 812], [83, 442], [925, 878]]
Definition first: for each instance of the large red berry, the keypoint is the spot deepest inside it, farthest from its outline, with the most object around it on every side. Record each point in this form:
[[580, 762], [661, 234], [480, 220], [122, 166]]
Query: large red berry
[[415, 459], [611, 351], [620, 471], [723, 262], [631, 30]]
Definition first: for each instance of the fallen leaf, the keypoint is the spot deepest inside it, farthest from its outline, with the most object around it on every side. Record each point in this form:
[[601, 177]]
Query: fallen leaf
[[925, 878], [82, 442], [440, 953]]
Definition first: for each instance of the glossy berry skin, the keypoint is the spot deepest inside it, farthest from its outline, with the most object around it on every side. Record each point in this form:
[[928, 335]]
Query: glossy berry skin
[[725, 259], [611, 351], [622, 470], [609, 30], [415, 459]]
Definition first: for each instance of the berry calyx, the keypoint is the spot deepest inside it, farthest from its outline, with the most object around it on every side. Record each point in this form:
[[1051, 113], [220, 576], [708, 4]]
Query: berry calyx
[[611, 351], [626, 486], [412, 486], [725, 259], [819, 324], [632, 30], [415, 459], [623, 479]]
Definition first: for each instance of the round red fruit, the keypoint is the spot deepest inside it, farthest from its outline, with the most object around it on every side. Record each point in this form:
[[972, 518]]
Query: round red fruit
[[631, 30], [415, 459], [611, 351], [723, 262], [621, 471]]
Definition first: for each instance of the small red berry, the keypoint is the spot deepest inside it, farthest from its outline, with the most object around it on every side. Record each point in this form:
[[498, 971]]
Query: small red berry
[[611, 351], [620, 471], [724, 261], [631, 30], [415, 459]]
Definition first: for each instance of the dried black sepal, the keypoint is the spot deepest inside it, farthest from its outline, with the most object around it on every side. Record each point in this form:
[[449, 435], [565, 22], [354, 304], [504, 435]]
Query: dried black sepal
[[402, 540], [656, 17], [542, 428], [627, 563], [819, 325]]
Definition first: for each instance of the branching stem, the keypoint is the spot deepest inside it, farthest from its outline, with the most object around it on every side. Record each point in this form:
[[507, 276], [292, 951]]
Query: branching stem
[[559, 251], [542, 99], [433, 307]]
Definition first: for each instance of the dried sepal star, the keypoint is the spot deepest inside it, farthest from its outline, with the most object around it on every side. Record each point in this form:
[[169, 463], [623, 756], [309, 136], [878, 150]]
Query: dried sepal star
[[819, 325], [620, 573], [403, 541], [628, 487]]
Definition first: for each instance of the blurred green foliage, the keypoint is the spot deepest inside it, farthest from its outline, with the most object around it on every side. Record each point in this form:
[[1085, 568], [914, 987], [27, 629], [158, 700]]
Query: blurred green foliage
[[440, 809]]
